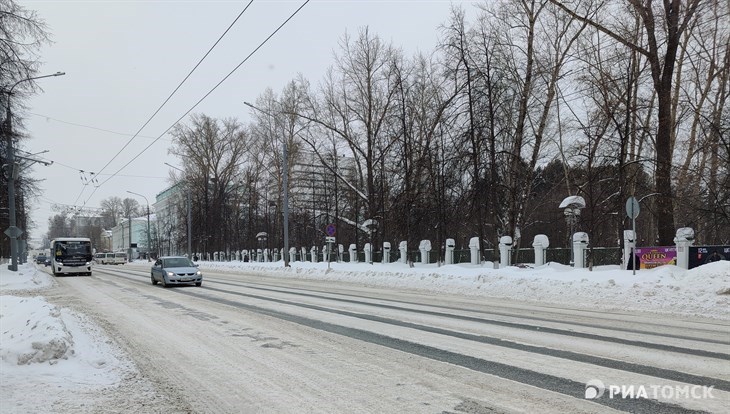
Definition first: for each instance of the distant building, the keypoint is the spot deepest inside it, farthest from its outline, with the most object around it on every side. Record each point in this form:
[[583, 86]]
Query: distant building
[[169, 205], [120, 236]]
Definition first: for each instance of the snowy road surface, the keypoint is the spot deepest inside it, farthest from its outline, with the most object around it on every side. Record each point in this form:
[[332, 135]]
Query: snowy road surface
[[248, 343]]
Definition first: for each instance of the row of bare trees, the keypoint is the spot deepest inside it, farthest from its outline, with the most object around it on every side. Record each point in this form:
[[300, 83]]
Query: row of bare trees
[[521, 105]]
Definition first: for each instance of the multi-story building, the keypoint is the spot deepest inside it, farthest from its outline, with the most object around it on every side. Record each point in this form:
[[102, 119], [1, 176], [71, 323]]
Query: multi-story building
[[125, 236], [168, 207]]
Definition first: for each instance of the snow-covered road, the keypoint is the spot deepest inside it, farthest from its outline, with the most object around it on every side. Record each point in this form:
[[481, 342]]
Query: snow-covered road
[[245, 342]]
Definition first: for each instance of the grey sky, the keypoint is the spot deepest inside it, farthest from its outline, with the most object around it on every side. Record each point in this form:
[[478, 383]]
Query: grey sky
[[123, 58]]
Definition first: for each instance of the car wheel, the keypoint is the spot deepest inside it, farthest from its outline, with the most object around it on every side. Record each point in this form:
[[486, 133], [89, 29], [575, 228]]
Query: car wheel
[[164, 284], [152, 277], [198, 284]]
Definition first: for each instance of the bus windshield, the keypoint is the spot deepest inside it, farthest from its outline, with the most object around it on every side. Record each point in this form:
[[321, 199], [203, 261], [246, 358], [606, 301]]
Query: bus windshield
[[66, 248]]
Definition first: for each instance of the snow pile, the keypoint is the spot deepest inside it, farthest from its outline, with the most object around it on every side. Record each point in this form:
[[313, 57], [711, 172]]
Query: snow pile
[[702, 291], [33, 331], [49, 348], [26, 278]]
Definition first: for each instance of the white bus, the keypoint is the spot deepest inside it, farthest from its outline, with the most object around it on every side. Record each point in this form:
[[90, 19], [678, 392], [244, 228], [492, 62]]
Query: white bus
[[71, 255]]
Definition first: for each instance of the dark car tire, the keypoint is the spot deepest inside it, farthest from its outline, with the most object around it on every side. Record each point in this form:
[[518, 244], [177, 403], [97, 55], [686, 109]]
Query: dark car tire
[[198, 284], [152, 278], [164, 284]]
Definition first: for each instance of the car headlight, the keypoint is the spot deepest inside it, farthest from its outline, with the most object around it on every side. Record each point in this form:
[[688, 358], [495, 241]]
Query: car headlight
[[199, 273], [88, 263], [170, 274]]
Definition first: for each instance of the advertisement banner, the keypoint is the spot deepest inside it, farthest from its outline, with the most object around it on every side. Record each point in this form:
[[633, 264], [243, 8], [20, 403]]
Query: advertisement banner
[[651, 257], [699, 255]]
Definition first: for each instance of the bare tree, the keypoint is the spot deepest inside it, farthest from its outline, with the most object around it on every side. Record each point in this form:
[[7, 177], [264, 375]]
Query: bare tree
[[212, 152], [112, 209], [22, 34], [664, 24], [356, 104]]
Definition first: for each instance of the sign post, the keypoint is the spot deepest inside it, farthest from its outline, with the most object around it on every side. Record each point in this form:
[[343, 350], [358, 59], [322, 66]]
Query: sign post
[[331, 229], [330, 242], [632, 211]]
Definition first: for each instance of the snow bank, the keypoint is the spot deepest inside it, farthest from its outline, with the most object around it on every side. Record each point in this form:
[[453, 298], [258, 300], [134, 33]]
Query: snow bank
[[33, 331], [49, 348], [703, 291]]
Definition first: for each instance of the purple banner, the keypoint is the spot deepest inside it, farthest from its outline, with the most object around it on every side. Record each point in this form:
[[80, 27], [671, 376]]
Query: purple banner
[[651, 257]]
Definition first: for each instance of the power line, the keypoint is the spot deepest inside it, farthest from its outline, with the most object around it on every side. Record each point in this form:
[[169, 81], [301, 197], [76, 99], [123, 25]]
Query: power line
[[161, 106], [88, 126], [177, 88], [205, 96], [120, 175]]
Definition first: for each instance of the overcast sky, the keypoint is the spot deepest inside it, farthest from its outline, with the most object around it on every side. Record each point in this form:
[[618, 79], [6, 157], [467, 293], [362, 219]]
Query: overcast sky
[[123, 58]]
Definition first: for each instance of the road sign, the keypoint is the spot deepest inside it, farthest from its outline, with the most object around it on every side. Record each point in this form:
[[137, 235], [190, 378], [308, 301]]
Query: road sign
[[329, 239], [13, 232], [330, 230], [632, 207]]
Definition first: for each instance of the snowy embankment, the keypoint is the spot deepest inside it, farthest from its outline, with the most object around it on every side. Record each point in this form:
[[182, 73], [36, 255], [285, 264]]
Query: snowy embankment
[[42, 345], [703, 291]]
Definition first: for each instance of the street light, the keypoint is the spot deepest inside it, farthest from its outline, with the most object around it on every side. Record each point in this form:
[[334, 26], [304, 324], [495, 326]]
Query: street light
[[572, 206], [285, 189], [149, 245], [14, 232], [189, 213]]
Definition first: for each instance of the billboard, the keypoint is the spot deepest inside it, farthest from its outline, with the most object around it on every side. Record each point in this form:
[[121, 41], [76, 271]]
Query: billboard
[[651, 257], [699, 255]]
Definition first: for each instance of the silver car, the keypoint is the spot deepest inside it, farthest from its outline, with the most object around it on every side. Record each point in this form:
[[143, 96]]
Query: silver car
[[175, 270]]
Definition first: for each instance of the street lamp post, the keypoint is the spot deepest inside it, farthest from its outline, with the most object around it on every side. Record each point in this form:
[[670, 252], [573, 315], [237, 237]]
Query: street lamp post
[[285, 189], [572, 206], [149, 245], [190, 202], [14, 232]]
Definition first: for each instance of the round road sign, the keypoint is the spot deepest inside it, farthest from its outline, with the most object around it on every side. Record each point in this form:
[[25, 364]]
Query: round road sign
[[330, 230], [632, 207]]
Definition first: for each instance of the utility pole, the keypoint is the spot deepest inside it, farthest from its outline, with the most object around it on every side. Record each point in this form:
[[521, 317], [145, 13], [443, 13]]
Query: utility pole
[[12, 170], [149, 245], [129, 250]]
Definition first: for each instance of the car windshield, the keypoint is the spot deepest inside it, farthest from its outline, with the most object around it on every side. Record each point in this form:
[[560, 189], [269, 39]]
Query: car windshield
[[176, 262]]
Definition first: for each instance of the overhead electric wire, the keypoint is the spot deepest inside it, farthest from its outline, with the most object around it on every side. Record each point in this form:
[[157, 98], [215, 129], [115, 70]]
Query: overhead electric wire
[[179, 85], [165, 102], [88, 126], [203, 98]]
